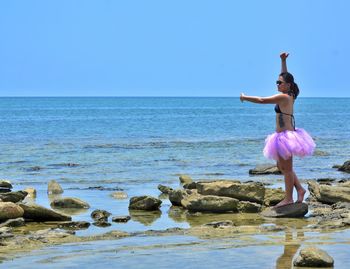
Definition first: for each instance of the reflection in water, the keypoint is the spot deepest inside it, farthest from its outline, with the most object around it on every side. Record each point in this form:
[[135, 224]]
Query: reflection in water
[[70, 211], [145, 217], [290, 249]]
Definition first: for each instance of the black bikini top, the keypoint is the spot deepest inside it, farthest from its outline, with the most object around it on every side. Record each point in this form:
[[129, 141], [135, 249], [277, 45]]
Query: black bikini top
[[278, 110]]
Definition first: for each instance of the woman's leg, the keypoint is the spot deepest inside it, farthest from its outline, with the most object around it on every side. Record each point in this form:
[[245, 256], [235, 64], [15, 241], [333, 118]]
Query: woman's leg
[[286, 166], [300, 190]]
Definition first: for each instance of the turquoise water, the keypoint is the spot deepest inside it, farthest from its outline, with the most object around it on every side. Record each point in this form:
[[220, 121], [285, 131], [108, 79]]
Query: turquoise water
[[134, 144]]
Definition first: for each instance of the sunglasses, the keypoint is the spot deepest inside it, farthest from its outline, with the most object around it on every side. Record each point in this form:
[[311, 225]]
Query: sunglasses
[[278, 82]]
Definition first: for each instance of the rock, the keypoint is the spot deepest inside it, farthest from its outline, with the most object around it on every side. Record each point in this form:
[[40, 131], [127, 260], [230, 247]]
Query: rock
[[9, 210], [39, 213], [5, 184], [248, 207], [185, 179], [345, 167], [74, 225], [119, 195], [31, 192], [329, 194], [100, 215], [101, 224], [320, 153], [295, 210], [144, 203], [190, 186], [164, 189], [210, 203], [313, 257], [176, 196], [54, 188], [13, 197], [337, 166], [69, 202], [265, 169], [252, 192], [217, 224], [273, 196], [121, 218], [13, 223]]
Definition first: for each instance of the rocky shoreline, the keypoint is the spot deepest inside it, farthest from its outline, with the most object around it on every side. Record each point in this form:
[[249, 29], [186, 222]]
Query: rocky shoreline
[[25, 226]]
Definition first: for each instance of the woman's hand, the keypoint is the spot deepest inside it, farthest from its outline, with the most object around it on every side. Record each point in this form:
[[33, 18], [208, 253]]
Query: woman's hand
[[284, 55], [242, 97]]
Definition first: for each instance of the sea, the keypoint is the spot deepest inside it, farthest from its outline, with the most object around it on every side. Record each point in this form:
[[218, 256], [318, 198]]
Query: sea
[[93, 146]]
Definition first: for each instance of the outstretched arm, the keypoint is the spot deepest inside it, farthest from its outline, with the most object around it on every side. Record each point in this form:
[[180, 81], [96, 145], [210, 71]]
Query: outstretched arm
[[284, 56], [274, 99]]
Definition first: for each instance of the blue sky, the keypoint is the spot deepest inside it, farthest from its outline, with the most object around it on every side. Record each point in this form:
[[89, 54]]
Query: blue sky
[[172, 48]]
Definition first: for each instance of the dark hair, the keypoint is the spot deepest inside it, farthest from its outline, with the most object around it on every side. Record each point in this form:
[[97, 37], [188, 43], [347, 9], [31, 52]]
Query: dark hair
[[288, 78]]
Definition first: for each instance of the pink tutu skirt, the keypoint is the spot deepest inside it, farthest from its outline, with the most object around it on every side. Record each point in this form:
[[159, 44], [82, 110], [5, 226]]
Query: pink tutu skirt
[[289, 143]]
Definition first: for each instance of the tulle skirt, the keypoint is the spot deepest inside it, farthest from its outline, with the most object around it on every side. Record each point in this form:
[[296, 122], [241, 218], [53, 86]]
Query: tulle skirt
[[289, 143]]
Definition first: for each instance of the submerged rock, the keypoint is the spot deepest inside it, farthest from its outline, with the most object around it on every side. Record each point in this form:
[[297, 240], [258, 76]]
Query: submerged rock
[[252, 192], [74, 225], [313, 257], [39, 213], [119, 195], [69, 202], [54, 188], [144, 203], [9, 210], [265, 169], [295, 210], [121, 218], [345, 167]]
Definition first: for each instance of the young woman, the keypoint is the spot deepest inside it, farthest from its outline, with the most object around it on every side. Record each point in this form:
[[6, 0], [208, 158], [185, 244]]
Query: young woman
[[287, 141]]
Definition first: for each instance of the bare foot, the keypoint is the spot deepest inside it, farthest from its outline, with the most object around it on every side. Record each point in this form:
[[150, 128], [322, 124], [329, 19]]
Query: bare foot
[[301, 194], [283, 203]]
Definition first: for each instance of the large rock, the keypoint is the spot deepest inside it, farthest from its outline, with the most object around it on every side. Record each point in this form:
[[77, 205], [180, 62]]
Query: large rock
[[9, 210], [210, 203], [185, 179], [313, 257], [329, 194], [295, 210], [144, 203], [345, 167], [5, 184], [13, 197], [273, 196], [265, 169], [252, 192], [69, 202], [249, 207], [39, 213], [176, 197], [54, 188]]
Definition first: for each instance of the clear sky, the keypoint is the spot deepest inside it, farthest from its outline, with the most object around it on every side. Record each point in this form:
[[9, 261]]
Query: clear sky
[[172, 47]]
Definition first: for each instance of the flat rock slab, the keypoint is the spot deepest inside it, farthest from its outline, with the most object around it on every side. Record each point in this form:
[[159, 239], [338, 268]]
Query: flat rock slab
[[296, 210]]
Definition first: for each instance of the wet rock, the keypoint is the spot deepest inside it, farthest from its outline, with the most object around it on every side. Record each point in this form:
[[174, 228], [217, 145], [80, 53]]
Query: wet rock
[[220, 224], [164, 189], [119, 195], [5, 184], [295, 210], [74, 225], [252, 192], [5, 232], [176, 197], [144, 203], [329, 194], [121, 218], [100, 215], [313, 257], [345, 167], [320, 153], [265, 169], [13, 223], [210, 203], [185, 179], [54, 188], [248, 207], [190, 186], [36, 212], [13, 197], [273, 196], [69, 202], [9, 210]]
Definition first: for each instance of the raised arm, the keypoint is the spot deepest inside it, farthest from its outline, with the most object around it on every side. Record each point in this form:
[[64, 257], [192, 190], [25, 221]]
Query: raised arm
[[274, 99], [284, 56]]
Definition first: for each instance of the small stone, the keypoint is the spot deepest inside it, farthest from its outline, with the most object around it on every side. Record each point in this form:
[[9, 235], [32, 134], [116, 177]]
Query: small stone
[[76, 225], [54, 188], [121, 218], [313, 257], [119, 195], [164, 189], [100, 215], [185, 179]]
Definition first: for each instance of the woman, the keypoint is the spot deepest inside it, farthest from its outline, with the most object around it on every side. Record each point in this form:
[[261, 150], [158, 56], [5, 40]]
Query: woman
[[287, 141]]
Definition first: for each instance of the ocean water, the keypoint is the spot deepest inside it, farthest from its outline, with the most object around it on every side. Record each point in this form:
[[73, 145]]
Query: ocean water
[[134, 144]]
